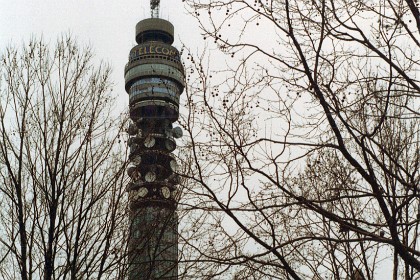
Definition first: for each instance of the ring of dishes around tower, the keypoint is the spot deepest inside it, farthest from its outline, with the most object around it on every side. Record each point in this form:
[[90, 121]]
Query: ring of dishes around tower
[[154, 80]]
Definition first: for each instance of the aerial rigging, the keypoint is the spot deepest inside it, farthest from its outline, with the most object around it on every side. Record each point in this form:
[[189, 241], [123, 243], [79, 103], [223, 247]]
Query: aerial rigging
[[154, 8]]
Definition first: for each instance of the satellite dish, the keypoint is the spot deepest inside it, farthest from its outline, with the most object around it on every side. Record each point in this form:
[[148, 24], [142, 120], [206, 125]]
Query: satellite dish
[[149, 142], [133, 173], [170, 145], [166, 192], [130, 170], [177, 132], [174, 165], [150, 176], [133, 148], [136, 160], [132, 129], [142, 192]]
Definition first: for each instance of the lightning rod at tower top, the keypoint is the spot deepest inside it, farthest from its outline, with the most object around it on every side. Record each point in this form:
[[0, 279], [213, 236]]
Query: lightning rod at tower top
[[154, 8]]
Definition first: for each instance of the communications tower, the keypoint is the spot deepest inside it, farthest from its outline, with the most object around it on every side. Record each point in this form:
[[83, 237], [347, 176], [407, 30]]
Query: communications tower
[[154, 81]]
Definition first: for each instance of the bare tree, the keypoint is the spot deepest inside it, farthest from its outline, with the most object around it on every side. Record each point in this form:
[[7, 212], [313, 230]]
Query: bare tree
[[62, 203], [304, 150]]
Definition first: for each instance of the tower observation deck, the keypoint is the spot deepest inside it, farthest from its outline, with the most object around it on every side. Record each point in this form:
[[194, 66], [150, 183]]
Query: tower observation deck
[[154, 80]]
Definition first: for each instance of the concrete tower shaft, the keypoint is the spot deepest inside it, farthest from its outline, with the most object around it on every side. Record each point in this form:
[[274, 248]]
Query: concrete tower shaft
[[154, 80]]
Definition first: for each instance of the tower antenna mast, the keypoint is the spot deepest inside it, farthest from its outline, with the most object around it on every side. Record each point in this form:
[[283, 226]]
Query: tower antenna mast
[[154, 8]]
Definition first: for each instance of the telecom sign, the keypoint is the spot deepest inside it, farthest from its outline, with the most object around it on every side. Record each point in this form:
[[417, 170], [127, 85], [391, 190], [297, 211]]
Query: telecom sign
[[154, 48]]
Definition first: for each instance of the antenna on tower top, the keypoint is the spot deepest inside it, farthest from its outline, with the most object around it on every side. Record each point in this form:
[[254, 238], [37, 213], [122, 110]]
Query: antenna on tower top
[[154, 8]]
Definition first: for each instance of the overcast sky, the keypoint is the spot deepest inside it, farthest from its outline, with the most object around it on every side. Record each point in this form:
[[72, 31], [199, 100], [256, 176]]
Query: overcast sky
[[108, 26]]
